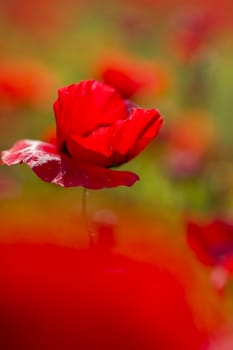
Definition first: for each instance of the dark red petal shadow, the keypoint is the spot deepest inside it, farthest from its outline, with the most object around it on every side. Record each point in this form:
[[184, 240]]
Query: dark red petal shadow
[[52, 167]]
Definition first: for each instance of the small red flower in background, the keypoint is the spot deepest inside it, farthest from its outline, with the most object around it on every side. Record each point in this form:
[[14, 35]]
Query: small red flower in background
[[96, 130], [25, 83], [130, 76], [212, 242]]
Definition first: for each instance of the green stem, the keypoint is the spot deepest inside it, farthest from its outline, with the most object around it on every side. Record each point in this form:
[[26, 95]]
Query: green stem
[[90, 232]]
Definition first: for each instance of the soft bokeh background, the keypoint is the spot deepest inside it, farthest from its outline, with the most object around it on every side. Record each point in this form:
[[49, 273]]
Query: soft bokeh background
[[186, 173]]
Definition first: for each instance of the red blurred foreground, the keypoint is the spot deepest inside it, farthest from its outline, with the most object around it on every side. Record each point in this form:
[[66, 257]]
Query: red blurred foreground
[[54, 297]]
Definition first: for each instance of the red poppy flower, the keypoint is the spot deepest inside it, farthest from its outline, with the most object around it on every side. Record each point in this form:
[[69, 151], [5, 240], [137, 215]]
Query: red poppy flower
[[212, 242], [130, 76], [55, 297], [96, 130]]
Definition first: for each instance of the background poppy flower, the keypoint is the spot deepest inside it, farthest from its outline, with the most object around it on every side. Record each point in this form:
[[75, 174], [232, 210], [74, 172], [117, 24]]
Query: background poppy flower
[[212, 242], [96, 130], [25, 82], [131, 76]]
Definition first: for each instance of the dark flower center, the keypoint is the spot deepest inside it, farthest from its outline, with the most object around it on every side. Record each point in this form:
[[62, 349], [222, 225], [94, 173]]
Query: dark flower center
[[64, 149]]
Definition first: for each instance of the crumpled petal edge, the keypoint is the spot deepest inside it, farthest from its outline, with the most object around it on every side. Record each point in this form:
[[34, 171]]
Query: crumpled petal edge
[[58, 169]]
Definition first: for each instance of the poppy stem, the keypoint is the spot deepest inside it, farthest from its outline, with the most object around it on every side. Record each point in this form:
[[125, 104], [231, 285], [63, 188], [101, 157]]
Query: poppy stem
[[90, 232]]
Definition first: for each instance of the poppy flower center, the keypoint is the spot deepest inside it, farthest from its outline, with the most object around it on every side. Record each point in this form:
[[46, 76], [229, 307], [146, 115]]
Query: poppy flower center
[[64, 149]]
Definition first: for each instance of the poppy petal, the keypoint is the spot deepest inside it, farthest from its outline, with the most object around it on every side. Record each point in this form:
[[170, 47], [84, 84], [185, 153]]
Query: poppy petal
[[52, 167], [82, 107], [120, 142], [140, 129]]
